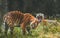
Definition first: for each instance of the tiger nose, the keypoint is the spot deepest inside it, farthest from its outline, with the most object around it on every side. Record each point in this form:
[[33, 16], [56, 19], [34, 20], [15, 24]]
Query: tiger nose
[[33, 27]]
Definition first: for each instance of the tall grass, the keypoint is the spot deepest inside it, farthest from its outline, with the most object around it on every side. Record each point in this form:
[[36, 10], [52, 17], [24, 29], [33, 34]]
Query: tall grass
[[42, 31]]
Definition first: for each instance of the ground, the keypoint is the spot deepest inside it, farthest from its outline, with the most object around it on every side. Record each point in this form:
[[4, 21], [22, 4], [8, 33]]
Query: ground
[[42, 31]]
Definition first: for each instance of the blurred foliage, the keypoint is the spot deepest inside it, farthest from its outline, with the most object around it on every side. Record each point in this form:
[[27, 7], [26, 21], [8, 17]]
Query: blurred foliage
[[48, 7], [42, 31]]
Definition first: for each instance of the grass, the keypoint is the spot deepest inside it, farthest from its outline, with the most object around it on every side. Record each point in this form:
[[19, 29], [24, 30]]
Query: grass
[[42, 31]]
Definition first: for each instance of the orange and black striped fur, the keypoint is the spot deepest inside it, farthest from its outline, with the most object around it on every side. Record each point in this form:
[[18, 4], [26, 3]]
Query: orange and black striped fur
[[17, 18]]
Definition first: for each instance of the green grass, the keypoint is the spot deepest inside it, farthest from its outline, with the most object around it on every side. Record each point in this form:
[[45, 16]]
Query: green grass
[[42, 31]]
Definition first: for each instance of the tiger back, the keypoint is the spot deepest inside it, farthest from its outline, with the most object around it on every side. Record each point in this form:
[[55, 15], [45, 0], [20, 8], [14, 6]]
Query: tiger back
[[13, 18]]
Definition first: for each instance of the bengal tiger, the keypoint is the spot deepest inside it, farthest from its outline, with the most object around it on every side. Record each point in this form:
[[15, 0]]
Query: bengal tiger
[[16, 18]]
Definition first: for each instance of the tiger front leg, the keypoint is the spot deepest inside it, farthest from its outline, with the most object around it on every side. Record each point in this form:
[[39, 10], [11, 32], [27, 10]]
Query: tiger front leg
[[28, 30], [23, 29]]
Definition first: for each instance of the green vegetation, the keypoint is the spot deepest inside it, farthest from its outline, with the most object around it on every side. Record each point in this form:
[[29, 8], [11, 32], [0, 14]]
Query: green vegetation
[[42, 31]]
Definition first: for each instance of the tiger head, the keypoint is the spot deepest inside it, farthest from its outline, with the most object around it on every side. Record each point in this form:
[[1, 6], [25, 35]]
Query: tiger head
[[34, 23]]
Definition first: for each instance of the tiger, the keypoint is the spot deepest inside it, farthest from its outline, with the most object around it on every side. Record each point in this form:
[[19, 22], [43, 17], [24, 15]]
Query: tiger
[[18, 19]]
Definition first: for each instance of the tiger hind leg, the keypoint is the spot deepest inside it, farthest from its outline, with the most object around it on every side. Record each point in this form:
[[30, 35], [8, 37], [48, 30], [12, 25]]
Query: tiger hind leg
[[6, 28], [11, 30]]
